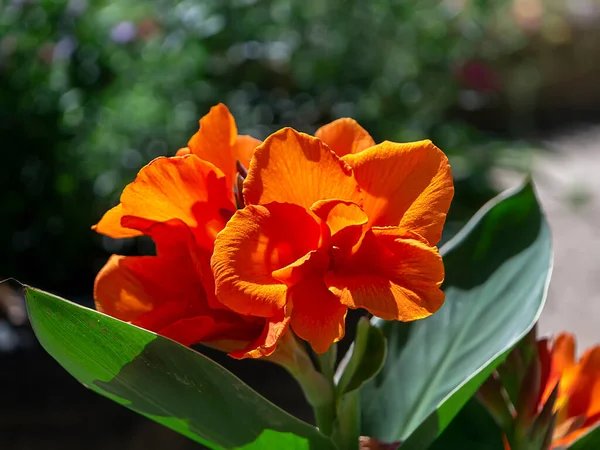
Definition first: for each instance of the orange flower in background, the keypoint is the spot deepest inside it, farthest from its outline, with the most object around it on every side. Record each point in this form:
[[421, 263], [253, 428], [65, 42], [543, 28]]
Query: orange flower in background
[[331, 223], [181, 203], [577, 405]]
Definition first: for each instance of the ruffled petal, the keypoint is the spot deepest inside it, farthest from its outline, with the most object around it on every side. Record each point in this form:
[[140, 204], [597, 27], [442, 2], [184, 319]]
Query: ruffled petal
[[311, 264], [391, 276], [345, 136], [318, 316], [215, 140], [292, 167], [347, 224], [134, 288], [273, 330], [406, 185], [165, 293], [184, 188], [257, 241]]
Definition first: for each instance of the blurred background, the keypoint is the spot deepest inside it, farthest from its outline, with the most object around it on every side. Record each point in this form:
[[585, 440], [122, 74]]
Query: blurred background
[[91, 91]]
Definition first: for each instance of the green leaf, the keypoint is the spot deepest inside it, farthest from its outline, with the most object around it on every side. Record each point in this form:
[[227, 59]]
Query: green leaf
[[368, 356], [472, 429], [589, 441], [163, 380], [497, 273]]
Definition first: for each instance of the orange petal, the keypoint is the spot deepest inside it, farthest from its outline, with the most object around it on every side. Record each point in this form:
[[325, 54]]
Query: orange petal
[[184, 188], [266, 343], [347, 224], [165, 293], [392, 277], [563, 353], [183, 151], [257, 241], [562, 362], [584, 385], [214, 327], [214, 142], [318, 316], [129, 287], [311, 264], [406, 185], [292, 167], [110, 224], [244, 149], [345, 136]]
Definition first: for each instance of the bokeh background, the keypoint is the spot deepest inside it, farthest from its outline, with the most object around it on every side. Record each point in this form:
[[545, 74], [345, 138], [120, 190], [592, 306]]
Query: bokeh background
[[92, 90]]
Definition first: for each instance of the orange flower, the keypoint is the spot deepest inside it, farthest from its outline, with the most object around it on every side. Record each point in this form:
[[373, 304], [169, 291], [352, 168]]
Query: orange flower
[[577, 405], [218, 142], [331, 223], [181, 203]]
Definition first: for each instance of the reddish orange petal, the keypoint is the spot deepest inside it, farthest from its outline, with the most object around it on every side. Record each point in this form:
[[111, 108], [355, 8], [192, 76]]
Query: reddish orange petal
[[583, 387], [406, 185], [273, 330], [214, 327], [562, 362], [184, 188], [345, 136], [292, 167], [257, 241], [118, 290], [110, 224], [244, 149], [165, 293], [392, 277], [318, 316], [183, 151], [214, 142], [132, 287]]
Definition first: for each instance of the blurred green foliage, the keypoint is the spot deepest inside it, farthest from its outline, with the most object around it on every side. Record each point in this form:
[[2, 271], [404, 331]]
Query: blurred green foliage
[[91, 91]]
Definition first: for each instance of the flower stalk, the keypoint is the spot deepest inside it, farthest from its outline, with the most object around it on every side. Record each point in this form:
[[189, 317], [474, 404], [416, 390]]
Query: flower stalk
[[317, 386]]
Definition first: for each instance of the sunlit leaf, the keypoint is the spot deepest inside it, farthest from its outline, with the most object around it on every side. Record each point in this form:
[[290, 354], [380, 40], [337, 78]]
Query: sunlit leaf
[[163, 380], [497, 273]]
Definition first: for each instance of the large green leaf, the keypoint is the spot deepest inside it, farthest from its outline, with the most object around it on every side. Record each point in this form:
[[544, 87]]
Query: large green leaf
[[163, 380], [497, 273], [472, 429]]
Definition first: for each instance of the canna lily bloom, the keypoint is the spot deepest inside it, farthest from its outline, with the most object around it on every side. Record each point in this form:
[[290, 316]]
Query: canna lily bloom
[[181, 203], [335, 222], [218, 142], [577, 405]]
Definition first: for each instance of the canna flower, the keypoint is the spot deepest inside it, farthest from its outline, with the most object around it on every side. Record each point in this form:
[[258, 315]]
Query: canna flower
[[335, 222], [558, 397], [181, 203], [577, 406]]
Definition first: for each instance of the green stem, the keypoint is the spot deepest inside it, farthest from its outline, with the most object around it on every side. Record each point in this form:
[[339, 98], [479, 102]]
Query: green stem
[[326, 412], [327, 362], [318, 387]]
